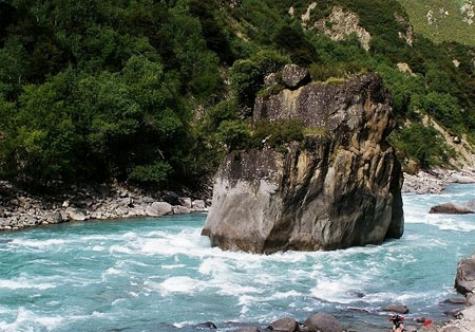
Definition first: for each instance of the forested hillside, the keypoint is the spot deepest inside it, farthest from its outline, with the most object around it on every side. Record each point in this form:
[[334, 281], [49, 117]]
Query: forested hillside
[[443, 20], [153, 92]]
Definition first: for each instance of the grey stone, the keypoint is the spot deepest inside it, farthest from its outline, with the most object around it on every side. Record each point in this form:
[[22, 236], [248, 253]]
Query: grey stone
[[397, 308], [465, 279], [450, 208], [323, 323], [293, 75], [185, 201], [199, 204], [342, 189], [178, 209], [286, 324], [158, 209], [75, 214]]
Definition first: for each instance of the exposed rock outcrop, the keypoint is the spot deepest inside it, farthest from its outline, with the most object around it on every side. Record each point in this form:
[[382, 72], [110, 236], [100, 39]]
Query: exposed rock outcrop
[[339, 188], [465, 279]]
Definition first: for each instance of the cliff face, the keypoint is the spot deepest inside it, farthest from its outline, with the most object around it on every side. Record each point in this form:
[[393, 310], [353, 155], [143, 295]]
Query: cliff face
[[342, 189]]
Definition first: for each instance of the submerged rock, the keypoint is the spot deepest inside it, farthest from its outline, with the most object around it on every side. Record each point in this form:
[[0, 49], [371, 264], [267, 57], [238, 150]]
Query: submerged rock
[[397, 308], [286, 324], [465, 279], [450, 208], [323, 323], [339, 188]]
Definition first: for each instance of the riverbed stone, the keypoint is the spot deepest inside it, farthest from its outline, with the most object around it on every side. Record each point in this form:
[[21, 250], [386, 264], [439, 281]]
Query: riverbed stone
[[450, 208], [185, 201], [286, 324], [397, 308], [75, 214], [323, 323], [199, 204], [158, 209], [178, 209], [465, 279]]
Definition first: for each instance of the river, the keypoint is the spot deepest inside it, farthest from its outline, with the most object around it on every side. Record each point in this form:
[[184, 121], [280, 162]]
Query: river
[[161, 275]]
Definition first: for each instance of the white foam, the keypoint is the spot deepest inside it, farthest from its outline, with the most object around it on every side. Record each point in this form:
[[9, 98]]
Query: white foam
[[25, 318], [38, 244], [175, 285], [23, 283]]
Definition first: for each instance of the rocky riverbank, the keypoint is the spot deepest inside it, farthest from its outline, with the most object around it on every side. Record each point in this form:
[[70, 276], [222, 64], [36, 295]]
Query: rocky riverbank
[[436, 180], [20, 209]]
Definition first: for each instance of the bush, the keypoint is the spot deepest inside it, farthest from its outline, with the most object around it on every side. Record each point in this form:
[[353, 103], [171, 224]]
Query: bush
[[235, 134], [277, 133], [154, 174], [247, 76], [423, 144]]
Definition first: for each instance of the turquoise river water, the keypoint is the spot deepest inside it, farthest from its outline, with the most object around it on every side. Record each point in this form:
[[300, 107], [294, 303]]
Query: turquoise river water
[[161, 275]]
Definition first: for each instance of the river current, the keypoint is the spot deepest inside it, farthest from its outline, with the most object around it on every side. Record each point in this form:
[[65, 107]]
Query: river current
[[161, 275]]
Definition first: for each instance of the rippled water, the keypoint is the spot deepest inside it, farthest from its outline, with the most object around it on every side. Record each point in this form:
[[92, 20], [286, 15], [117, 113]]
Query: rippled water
[[161, 275]]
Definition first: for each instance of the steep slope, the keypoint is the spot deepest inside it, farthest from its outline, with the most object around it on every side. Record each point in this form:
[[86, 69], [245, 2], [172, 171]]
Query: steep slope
[[443, 21]]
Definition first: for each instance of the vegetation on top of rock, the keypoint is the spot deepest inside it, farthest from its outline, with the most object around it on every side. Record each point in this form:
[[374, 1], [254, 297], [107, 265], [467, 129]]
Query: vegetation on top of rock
[[150, 92]]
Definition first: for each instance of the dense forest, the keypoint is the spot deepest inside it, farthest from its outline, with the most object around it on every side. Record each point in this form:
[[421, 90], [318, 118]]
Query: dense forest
[[153, 92]]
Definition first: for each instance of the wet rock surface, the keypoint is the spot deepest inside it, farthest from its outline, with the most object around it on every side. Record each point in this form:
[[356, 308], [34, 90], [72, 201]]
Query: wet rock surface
[[339, 189], [323, 323], [465, 279]]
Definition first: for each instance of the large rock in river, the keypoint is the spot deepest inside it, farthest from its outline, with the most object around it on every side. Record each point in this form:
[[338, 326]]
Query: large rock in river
[[339, 188]]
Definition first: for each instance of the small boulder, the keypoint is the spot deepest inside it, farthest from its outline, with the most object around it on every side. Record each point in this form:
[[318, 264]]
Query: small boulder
[[323, 323], [158, 209], [207, 325], [199, 205], [178, 209], [55, 218], [455, 313], [450, 208], [456, 300], [397, 309], [286, 324], [293, 76], [75, 214], [185, 201], [465, 279]]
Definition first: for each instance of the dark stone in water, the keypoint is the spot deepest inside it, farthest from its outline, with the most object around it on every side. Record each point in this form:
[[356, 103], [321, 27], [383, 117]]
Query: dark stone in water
[[456, 301], [357, 294], [456, 313], [450, 208], [323, 323], [465, 279], [397, 308], [5, 241], [286, 324], [207, 325]]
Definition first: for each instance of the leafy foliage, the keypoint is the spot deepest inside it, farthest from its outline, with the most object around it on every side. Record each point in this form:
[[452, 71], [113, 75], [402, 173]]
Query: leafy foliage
[[152, 91]]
